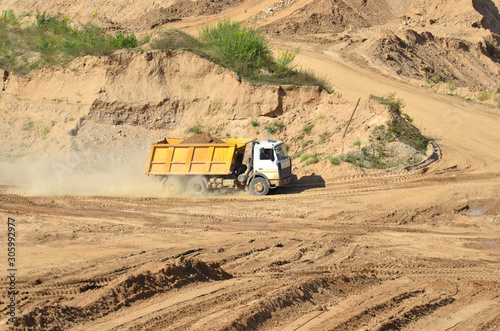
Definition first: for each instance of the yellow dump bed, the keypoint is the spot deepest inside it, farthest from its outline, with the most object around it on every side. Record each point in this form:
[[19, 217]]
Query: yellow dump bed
[[173, 157]]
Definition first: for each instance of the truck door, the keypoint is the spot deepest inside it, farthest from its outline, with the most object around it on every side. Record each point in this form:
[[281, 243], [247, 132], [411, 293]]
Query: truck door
[[265, 162]]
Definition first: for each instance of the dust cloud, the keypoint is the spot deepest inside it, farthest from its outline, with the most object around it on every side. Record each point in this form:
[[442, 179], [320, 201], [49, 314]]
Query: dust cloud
[[69, 175]]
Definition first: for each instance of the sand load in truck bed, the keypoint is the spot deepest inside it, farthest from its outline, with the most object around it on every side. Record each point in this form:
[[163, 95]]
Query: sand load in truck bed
[[202, 139]]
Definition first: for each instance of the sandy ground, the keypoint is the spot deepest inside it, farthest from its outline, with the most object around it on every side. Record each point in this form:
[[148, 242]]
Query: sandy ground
[[353, 250]]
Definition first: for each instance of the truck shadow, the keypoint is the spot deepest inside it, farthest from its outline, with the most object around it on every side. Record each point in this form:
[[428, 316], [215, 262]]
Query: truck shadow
[[301, 184]]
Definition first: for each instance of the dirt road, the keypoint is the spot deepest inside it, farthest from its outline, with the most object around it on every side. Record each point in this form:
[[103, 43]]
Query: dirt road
[[385, 251], [363, 250]]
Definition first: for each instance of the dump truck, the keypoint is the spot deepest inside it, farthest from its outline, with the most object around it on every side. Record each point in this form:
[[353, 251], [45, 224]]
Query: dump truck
[[196, 167]]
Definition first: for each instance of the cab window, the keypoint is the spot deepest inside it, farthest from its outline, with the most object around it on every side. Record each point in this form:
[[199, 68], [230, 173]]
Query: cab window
[[266, 154], [281, 152]]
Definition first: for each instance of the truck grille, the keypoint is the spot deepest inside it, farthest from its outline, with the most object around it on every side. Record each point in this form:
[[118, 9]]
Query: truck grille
[[285, 172]]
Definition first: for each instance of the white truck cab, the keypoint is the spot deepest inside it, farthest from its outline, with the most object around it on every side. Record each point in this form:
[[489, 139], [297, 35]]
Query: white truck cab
[[271, 167]]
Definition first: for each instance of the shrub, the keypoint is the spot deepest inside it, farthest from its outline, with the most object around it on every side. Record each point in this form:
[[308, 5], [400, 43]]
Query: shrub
[[242, 48], [323, 137], [307, 129], [304, 157], [275, 127], [248, 53], [483, 96], [254, 123], [394, 104], [355, 160], [196, 129], [284, 60], [401, 126], [296, 155], [312, 160], [335, 160]]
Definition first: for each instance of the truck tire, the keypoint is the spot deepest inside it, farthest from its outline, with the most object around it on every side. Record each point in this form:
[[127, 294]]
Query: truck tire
[[173, 185], [259, 186], [197, 187]]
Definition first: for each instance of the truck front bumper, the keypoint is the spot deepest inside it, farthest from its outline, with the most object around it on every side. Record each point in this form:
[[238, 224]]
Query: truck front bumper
[[281, 182]]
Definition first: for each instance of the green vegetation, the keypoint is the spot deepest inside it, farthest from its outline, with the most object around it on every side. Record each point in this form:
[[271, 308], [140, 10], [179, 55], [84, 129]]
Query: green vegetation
[[186, 86], [304, 157], [196, 129], [323, 137], [296, 155], [27, 43], [376, 154], [284, 60], [241, 49], [45, 131], [306, 143], [483, 96], [307, 129], [335, 160], [315, 158], [28, 125], [46, 40], [254, 123], [354, 159], [441, 77], [451, 86], [401, 127], [275, 127]]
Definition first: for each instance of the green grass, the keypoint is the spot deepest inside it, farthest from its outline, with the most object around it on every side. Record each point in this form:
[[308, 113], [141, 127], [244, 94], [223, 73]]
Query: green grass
[[335, 160], [313, 159], [323, 137], [306, 143], [296, 155], [246, 51], [400, 126], [307, 159], [304, 157], [307, 129], [254, 123], [54, 40], [483, 96], [355, 160], [51, 40], [275, 127], [196, 129]]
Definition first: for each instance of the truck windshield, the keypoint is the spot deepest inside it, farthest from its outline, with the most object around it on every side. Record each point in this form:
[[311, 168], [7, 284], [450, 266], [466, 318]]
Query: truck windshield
[[281, 151]]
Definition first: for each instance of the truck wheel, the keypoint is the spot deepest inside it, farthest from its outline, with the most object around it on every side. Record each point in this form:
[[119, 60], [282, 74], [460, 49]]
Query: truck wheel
[[259, 186], [173, 185], [197, 186]]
